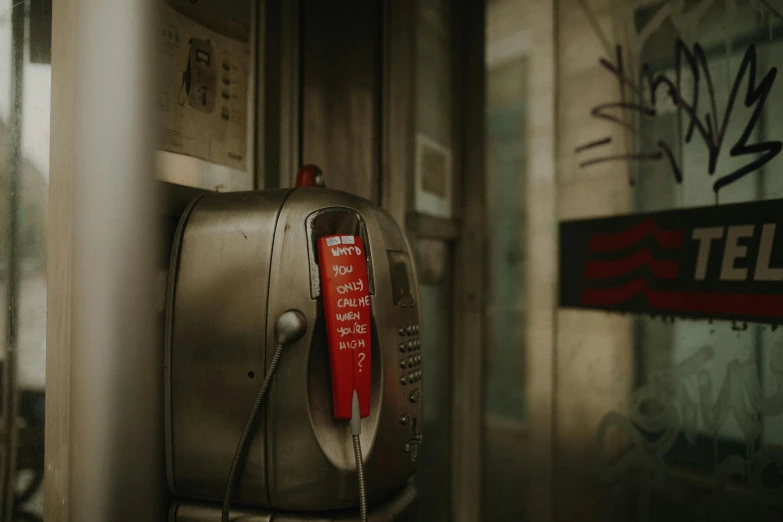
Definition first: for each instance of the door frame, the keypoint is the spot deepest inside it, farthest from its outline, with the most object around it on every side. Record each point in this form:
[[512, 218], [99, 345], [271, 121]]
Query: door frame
[[469, 283], [464, 232]]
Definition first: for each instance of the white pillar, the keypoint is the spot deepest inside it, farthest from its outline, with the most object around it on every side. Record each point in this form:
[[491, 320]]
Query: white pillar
[[104, 419]]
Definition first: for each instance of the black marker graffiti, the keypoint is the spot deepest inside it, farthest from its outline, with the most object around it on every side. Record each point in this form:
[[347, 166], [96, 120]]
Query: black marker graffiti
[[710, 129]]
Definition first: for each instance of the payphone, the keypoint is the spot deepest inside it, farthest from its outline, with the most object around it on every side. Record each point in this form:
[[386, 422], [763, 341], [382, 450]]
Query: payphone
[[293, 362], [199, 80]]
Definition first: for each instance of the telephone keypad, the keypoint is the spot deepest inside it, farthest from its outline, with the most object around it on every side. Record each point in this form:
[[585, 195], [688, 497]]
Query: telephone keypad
[[411, 329], [410, 376], [408, 359]]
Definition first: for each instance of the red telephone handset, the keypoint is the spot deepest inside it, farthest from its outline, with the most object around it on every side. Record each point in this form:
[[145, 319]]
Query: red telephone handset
[[346, 297]]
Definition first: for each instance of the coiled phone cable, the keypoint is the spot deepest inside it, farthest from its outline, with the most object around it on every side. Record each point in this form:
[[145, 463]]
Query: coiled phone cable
[[356, 431], [291, 326]]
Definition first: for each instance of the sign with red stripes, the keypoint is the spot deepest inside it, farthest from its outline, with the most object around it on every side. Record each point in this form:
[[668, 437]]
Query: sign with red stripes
[[712, 262]]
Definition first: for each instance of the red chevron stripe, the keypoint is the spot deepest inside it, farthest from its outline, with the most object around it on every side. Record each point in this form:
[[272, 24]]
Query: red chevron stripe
[[669, 239], [620, 267], [758, 305], [614, 295]]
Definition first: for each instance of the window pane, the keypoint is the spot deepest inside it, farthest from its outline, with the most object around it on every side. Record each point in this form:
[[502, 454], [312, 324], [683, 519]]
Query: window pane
[[504, 377], [663, 418], [25, 31], [433, 478]]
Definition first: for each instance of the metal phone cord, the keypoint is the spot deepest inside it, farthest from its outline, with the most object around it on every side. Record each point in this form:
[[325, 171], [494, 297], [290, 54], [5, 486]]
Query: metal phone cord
[[290, 327]]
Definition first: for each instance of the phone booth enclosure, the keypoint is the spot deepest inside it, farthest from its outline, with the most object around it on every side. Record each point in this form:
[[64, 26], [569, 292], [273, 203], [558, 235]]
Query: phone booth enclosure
[[238, 262]]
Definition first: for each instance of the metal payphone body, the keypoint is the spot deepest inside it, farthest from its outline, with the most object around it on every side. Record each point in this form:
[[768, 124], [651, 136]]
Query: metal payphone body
[[240, 260]]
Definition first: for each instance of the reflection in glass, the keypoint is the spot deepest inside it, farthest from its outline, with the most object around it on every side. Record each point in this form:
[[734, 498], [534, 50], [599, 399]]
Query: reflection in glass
[[506, 165], [24, 172], [432, 479], [504, 377], [710, 393], [434, 106]]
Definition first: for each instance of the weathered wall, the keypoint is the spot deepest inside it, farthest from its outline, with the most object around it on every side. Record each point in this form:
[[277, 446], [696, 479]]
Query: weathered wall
[[593, 349], [524, 32]]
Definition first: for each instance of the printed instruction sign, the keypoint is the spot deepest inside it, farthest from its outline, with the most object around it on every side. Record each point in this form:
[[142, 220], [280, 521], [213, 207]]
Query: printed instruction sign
[[433, 177], [202, 91]]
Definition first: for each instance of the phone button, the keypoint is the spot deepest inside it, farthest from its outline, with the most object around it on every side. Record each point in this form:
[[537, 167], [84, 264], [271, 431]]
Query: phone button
[[415, 396]]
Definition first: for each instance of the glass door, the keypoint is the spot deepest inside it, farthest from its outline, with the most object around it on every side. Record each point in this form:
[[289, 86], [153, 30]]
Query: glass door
[[25, 43]]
